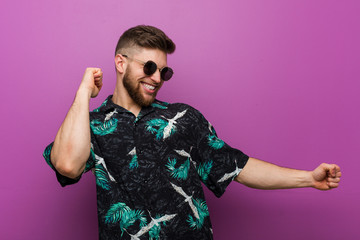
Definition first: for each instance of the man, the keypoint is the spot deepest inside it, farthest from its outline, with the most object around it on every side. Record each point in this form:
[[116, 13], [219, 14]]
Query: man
[[149, 156]]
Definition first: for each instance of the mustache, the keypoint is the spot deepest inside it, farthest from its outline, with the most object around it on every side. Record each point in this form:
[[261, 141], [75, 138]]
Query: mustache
[[151, 83]]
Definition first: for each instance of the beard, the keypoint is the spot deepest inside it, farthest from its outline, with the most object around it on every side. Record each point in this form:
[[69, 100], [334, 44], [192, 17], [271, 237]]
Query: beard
[[134, 89]]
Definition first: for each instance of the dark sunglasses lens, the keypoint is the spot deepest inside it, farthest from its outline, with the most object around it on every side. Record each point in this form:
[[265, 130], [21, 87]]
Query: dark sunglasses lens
[[150, 67], [166, 73]]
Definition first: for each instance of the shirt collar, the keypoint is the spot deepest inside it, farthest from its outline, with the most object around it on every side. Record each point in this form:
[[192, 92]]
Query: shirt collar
[[108, 105]]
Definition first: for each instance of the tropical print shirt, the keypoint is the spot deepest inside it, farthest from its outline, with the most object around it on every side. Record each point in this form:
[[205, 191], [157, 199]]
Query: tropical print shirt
[[149, 171]]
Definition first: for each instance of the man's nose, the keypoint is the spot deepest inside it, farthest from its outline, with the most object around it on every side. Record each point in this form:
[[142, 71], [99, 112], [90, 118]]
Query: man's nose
[[156, 77]]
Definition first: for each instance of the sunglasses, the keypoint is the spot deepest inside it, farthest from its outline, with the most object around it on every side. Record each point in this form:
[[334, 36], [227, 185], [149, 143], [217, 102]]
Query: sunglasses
[[150, 68]]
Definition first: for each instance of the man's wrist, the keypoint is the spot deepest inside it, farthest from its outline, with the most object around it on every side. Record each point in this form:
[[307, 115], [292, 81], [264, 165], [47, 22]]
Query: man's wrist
[[84, 92], [310, 179]]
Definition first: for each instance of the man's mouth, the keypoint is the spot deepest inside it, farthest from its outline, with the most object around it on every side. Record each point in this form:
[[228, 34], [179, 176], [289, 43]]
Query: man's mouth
[[149, 88]]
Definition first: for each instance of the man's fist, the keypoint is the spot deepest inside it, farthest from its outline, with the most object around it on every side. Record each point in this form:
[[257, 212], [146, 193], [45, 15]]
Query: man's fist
[[326, 176], [92, 81]]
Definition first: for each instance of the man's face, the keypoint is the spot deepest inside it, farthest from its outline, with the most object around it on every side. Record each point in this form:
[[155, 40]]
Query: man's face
[[141, 87]]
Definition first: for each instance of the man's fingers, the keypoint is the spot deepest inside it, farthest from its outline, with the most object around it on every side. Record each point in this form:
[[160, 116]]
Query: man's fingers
[[333, 185], [98, 75], [95, 70], [99, 85], [333, 180], [332, 169]]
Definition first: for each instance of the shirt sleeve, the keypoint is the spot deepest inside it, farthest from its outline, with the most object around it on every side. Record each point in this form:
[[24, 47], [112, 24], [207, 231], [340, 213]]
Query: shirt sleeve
[[63, 180], [217, 163]]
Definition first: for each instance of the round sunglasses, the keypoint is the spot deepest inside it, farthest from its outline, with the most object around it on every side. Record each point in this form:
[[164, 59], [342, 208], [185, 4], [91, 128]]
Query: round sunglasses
[[150, 68]]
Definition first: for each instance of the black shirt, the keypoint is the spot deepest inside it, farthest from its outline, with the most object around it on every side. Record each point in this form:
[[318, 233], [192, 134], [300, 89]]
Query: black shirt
[[149, 170]]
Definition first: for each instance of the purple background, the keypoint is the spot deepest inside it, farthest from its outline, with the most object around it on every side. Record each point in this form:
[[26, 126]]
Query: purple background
[[278, 80]]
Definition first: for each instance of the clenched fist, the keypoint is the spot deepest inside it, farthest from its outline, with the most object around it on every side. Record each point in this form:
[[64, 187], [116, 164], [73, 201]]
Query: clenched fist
[[326, 176], [92, 81]]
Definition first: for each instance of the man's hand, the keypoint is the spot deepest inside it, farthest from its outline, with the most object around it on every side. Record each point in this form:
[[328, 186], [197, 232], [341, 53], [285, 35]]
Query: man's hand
[[92, 81], [326, 176]]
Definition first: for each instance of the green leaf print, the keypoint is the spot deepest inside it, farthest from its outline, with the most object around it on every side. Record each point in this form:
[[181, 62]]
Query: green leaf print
[[181, 172], [115, 212], [102, 179], [204, 170], [105, 128], [156, 105], [215, 142], [46, 155], [125, 216], [134, 163], [197, 223], [156, 126], [155, 230]]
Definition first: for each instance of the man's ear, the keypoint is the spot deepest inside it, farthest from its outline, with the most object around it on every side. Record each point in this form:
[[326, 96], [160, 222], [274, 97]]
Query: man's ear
[[120, 64]]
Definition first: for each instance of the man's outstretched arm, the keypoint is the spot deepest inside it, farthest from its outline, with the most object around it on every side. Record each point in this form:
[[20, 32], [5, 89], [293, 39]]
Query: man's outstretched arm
[[264, 175], [71, 147]]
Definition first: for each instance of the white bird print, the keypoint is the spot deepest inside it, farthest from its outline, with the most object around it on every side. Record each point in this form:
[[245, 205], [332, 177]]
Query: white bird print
[[99, 161], [232, 174], [171, 123], [186, 154], [210, 127], [188, 199], [150, 225], [109, 115], [132, 152], [183, 153]]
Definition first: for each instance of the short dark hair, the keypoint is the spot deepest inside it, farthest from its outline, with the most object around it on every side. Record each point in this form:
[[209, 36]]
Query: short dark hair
[[146, 37]]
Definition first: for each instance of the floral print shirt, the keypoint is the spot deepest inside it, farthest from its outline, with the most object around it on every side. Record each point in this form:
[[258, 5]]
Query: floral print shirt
[[149, 171]]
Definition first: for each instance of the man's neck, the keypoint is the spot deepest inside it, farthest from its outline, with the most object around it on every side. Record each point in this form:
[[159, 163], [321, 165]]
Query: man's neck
[[123, 99]]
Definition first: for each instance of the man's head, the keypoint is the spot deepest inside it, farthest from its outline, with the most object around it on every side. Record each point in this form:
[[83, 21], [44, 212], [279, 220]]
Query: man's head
[[135, 47], [143, 36]]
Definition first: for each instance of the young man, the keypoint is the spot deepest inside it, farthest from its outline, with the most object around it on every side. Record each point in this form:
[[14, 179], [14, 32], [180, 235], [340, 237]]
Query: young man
[[149, 156]]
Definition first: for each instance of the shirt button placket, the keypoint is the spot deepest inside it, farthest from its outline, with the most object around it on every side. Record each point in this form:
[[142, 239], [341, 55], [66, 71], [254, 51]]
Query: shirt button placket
[[139, 152], [136, 139]]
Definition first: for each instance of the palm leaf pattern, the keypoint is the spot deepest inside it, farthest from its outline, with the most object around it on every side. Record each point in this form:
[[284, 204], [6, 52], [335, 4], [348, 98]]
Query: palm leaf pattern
[[215, 142], [91, 161], [115, 212], [46, 155], [197, 223], [181, 172], [156, 105], [125, 216], [134, 163], [102, 179], [204, 170], [129, 218], [155, 230], [102, 129], [156, 126]]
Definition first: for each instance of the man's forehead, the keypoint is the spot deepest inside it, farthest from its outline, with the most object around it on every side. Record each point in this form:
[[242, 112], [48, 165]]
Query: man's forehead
[[155, 55]]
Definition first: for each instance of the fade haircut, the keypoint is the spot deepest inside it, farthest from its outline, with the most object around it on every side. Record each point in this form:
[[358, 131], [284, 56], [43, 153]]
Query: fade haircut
[[146, 37]]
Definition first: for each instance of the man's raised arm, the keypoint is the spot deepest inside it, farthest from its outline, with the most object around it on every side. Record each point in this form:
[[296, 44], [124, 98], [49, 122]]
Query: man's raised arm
[[71, 147], [264, 175]]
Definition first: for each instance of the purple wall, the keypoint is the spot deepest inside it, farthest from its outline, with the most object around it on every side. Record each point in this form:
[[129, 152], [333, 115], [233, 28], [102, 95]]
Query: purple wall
[[278, 80]]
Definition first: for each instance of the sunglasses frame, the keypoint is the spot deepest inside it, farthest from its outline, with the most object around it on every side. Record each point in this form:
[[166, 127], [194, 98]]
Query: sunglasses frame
[[162, 73]]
